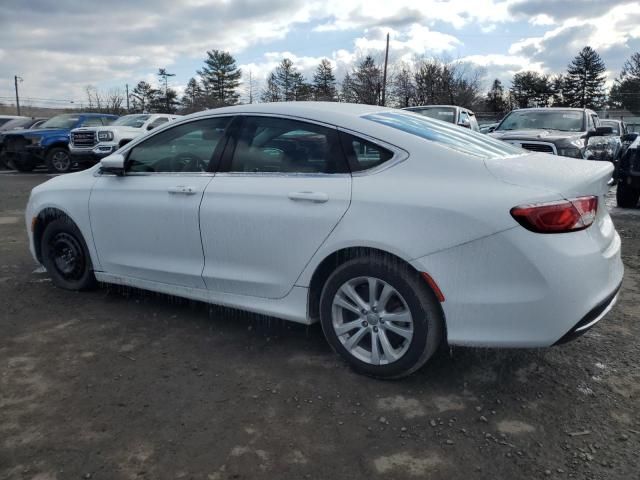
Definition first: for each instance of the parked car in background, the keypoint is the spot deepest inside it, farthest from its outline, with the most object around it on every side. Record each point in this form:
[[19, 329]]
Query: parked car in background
[[488, 127], [628, 172], [88, 145], [49, 144], [344, 214], [607, 147], [618, 127], [15, 124], [462, 117], [558, 131], [7, 118]]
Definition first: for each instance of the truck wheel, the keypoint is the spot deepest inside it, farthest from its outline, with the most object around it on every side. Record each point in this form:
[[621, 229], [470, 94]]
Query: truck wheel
[[58, 160], [626, 196], [22, 164]]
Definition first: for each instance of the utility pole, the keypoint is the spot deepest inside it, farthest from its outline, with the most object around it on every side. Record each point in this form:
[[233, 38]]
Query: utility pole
[[384, 76], [250, 88], [127, 88], [15, 79], [162, 73]]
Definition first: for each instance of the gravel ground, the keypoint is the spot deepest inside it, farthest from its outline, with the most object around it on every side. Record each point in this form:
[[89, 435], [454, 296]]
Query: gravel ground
[[124, 384]]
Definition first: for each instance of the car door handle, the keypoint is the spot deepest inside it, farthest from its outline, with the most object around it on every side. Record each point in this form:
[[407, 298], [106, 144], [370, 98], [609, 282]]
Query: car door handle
[[182, 189], [315, 197]]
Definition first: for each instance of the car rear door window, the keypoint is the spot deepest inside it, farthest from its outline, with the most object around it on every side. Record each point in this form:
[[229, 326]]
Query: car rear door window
[[188, 147], [280, 145], [92, 122], [157, 122], [363, 154]]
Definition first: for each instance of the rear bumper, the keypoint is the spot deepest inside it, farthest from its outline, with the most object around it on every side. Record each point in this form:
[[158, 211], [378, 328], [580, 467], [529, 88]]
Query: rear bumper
[[521, 289], [591, 318]]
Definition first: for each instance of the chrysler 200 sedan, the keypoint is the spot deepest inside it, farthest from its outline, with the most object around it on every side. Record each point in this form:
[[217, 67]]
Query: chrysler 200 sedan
[[397, 232]]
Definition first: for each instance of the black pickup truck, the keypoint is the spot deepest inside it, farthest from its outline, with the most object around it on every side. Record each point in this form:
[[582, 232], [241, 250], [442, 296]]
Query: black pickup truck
[[628, 172], [558, 131]]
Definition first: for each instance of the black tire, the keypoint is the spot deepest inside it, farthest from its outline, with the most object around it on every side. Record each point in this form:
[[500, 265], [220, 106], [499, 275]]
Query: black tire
[[65, 256], [626, 196], [22, 164], [58, 160], [426, 313]]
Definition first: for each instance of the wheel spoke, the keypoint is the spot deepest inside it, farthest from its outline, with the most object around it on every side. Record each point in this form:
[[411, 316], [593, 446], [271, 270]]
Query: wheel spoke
[[385, 295], [403, 317], [373, 286], [351, 293], [375, 350], [389, 352], [341, 302], [354, 339], [346, 327], [403, 332]]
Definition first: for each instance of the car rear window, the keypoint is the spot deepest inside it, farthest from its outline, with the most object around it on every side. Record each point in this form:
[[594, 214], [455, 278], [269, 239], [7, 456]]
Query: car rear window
[[451, 136]]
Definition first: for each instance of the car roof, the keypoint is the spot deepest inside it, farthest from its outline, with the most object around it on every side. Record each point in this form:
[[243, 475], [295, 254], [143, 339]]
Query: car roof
[[544, 109], [95, 114]]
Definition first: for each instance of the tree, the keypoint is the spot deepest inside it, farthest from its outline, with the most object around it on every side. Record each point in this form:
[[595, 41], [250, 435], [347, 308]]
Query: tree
[[585, 80], [286, 78], [324, 82], [442, 82], [221, 78], [193, 100], [530, 89], [271, 92], [403, 90], [143, 95], [346, 90], [625, 92], [495, 99], [558, 90], [164, 102], [164, 76], [365, 82]]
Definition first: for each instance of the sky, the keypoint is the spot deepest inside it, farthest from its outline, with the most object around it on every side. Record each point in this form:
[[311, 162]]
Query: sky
[[58, 47]]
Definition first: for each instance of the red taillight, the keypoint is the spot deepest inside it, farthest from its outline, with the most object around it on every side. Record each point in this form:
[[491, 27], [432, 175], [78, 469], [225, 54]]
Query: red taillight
[[557, 217]]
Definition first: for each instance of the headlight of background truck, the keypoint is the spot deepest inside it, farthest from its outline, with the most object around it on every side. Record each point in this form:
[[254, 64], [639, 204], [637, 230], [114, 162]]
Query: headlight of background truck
[[105, 136]]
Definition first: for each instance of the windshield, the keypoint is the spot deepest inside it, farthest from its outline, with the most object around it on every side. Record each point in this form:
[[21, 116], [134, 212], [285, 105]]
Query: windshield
[[563, 120], [15, 123], [446, 114], [61, 121], [615, 126], [458, 139], [135, 121]]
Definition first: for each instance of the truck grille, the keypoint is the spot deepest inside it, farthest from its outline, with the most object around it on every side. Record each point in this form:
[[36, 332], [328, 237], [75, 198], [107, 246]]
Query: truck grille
[[83, 139], [538, 147]]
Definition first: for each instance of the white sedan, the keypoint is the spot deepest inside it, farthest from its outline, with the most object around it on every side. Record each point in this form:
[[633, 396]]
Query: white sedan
[[397, 232]]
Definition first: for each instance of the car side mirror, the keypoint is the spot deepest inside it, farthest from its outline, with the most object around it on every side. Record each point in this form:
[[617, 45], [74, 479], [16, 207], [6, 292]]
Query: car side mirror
[[113, 164], [491, 129], [600, 132], [465, 123]]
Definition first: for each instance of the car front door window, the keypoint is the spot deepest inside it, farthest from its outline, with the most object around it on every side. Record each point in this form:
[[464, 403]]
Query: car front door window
[[188, 147]]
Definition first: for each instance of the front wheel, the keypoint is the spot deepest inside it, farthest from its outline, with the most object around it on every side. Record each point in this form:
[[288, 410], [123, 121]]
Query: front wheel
[[58, 160], [65, 256], [627, 196], [381, 317]]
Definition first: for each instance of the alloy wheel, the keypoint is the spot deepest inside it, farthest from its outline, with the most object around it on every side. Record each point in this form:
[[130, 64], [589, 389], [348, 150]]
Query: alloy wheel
[[372, 320], [61, 161]]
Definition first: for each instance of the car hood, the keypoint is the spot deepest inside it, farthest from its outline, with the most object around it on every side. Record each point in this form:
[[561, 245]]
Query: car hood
[[563, 176], [39, 132], [536, 135]]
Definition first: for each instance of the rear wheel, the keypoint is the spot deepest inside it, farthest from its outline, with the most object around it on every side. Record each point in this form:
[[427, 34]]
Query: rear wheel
[[58, 160], [381, 317], [627, 196], [65, 256]]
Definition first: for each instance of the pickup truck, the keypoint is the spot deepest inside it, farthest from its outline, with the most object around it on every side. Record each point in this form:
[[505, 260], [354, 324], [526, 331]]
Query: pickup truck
[[558, 131], [49, 144], [628, 172], [89, 144]]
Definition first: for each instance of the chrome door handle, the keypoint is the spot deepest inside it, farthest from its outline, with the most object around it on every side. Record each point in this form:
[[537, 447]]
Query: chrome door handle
[[315, 197], [182, 189]]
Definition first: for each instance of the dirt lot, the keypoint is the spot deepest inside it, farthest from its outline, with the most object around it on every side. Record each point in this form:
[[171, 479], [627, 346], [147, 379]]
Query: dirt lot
[[126, 384]]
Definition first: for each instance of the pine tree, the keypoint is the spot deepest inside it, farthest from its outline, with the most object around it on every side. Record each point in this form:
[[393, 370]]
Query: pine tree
[[286, 79], [366, 82], [530, 89], [324, 82], [346, 90], [143, 95], [585, 80], [271, 92], [192, 98], [221, 78], [495, 98]]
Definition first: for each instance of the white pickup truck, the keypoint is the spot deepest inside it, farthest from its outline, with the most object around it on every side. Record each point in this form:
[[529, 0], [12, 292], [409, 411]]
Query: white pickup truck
[[88, 145]]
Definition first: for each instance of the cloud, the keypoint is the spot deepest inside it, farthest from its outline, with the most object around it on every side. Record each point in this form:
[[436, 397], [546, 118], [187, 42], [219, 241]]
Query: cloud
[[557, 10]]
